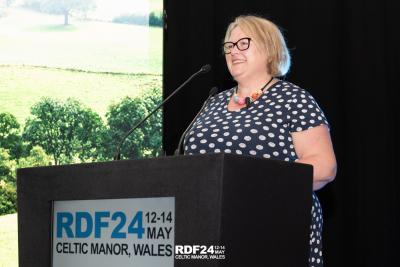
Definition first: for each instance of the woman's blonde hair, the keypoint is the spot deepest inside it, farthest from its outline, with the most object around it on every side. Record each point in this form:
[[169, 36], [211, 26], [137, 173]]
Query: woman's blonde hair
[[267, 37]]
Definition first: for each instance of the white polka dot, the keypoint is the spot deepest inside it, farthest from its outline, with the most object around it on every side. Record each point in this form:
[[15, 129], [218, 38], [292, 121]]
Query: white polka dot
[[202, 151], [253, 131], [211, 145], [262, 137], [228, 143], [203, 141], [235, 137], [220, 140], [252, 152], [238, 152], [271, 144], [193, 146], [267, 156], [242, 145], [271, 135], [191, 139], [227, 150], [247, 138], [259, 147], [275, 153]]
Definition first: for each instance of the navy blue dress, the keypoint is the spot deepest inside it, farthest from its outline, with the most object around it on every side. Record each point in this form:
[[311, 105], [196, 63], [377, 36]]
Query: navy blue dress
[[262, 130]]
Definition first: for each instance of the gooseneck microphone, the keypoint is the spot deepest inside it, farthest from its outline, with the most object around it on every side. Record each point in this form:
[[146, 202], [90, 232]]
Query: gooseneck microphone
[[204, 69], [248, 102], [212, 92]]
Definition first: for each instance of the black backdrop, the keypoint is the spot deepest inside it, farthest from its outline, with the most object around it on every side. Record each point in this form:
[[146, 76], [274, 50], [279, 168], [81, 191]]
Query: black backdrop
[[346, 53]]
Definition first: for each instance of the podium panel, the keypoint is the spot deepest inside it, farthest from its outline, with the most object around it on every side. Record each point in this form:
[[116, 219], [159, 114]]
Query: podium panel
[[258, 210]]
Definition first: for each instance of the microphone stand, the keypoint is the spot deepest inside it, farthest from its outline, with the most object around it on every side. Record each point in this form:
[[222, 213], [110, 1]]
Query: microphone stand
[[212, 92], [117, 155]]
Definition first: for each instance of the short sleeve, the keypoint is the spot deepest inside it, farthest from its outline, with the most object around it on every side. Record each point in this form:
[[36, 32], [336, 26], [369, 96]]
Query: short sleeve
[[304, 112]]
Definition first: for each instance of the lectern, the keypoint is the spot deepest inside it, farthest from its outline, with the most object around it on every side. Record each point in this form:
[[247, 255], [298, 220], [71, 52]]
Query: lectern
[[248, 209]]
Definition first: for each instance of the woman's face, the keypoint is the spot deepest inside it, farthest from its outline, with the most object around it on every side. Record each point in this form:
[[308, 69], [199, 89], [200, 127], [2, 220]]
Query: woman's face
[[245, 64]]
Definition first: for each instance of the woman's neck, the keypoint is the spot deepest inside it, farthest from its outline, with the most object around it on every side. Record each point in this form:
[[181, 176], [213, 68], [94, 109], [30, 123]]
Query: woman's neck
[[246, 88]]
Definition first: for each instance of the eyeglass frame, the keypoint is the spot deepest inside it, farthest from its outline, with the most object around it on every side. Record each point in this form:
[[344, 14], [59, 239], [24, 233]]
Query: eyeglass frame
[[235, 44]]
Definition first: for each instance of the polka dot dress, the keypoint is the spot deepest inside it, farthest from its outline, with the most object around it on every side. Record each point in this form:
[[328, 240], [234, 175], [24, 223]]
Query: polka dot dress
[[262, 130]]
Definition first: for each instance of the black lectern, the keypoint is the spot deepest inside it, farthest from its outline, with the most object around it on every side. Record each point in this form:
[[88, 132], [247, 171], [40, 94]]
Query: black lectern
[[258, 209]]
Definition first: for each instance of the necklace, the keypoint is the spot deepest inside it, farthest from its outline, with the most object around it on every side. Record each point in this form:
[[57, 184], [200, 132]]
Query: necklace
[[254, 96]]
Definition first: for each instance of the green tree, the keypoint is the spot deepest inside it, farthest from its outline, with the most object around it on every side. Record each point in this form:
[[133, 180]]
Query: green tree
[[66, 131], [10, 138], [8, 198], [89, 135], [156, 19], [37, 157], [145, 141], [7, 167], [66, 7], [8, 193]]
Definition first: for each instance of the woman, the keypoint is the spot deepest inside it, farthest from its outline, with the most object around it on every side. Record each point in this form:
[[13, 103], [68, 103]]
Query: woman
[[264, 116]]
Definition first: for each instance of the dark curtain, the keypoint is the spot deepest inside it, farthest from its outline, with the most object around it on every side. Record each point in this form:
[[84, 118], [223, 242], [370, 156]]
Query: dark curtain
[[346, 54]]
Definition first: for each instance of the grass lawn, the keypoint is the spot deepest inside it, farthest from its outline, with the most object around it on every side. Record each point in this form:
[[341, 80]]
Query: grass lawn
[[8, 240], [21, 87], [97, 63]]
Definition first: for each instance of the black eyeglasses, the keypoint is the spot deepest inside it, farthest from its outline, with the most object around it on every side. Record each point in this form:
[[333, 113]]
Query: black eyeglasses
[[241, 44]]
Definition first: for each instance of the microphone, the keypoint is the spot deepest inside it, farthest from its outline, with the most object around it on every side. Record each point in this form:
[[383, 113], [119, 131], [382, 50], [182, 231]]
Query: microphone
[[248, 102], [212, 92], [204, 69]]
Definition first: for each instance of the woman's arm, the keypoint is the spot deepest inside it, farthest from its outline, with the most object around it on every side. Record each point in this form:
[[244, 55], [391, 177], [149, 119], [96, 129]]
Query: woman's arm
[[314, 146]]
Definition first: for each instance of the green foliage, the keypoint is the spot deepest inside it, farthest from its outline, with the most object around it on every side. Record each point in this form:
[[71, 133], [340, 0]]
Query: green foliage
[[61, 7], [145, 141], [155, 20], [10, 138], [8, 193], [37, 157], [7, 167], [66, 6], [8, 198], [66, 131]]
